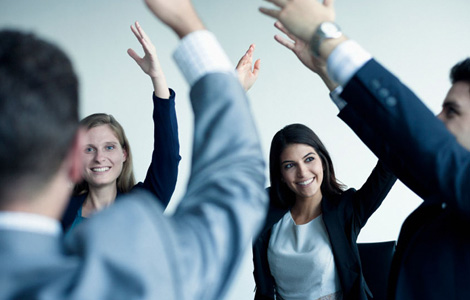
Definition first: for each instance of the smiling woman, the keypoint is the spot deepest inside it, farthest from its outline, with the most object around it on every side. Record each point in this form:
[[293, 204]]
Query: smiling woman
[[307, 247], [107, 158]]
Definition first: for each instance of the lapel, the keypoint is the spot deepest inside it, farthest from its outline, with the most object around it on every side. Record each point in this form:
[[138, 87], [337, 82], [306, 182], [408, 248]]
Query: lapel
[[346, 261]]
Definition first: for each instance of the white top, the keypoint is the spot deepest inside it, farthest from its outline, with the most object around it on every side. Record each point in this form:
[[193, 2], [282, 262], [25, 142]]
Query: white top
[[301, 259]]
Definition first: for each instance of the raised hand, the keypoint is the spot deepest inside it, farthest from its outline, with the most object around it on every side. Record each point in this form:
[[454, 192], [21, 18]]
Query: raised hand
[[301, 17], [149, 63], [246, 74], [302, 51]]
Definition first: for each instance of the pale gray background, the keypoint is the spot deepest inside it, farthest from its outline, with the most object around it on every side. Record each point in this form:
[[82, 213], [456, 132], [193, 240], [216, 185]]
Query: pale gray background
[[418, 40]]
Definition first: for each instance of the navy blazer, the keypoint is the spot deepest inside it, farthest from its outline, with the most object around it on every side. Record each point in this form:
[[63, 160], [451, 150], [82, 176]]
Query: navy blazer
[[432, 259], [344, 216], [163, 170]]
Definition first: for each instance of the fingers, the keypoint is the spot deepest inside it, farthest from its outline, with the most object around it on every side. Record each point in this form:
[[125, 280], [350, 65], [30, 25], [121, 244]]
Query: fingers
[[256, 67], [270, 12], [283, 29], [289, 45], [247, 58], [142, 32], [134, 55], [279, 3]]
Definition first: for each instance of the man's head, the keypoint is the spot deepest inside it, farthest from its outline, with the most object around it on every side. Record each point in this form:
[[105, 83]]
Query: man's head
[[38, 111], [456, 107]]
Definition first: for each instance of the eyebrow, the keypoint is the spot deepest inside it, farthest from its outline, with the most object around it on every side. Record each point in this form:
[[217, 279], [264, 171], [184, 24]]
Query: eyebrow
[[289, 161], [450, 103]]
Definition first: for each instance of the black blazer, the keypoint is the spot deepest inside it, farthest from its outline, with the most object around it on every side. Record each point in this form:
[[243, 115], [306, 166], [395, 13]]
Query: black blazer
[[344, 216], [432, 259]]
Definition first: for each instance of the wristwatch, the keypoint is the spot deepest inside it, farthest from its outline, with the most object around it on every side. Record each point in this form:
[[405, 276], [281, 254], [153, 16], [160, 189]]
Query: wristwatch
[[326, 30]]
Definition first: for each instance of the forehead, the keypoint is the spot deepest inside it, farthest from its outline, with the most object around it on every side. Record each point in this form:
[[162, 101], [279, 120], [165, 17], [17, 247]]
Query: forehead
[[459, 94], [100, 134], [296, 151]]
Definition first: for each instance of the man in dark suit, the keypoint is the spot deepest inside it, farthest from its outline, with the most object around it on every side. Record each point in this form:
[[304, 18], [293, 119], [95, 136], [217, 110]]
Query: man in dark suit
[[429, 155], [131, 250]]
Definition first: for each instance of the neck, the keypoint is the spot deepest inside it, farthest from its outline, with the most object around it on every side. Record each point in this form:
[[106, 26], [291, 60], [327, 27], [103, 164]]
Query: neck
[[99, 198], [306, 209], [47, 200]]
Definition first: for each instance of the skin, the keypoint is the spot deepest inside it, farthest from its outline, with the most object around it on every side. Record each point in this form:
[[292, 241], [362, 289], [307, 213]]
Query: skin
[[103, 159], [302, 171], [456, 112]]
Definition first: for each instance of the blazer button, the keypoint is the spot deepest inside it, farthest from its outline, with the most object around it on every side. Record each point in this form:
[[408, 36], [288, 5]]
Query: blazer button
[[384, 93], [375, 83], [391, 101]]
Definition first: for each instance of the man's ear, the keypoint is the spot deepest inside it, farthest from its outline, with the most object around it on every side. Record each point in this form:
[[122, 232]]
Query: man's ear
[[75, 156]]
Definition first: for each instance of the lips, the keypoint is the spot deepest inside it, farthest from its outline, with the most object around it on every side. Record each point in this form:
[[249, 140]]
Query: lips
[[101, 169], [306, 182]]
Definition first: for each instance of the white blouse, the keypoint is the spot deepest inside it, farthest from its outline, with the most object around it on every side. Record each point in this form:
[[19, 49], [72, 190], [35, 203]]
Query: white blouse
[[301, 259]]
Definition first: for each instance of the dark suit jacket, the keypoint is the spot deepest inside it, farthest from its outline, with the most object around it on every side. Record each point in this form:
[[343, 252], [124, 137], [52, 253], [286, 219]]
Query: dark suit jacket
[[344, 216], [163, 170], [432, 259]]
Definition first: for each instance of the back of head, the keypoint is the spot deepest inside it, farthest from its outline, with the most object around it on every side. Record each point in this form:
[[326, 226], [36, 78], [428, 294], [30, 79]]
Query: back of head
[[298, 134], [38, 110], [461, 71]]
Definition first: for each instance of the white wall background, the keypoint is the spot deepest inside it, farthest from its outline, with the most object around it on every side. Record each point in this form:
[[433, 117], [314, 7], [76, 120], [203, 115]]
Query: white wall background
[[417, 40]]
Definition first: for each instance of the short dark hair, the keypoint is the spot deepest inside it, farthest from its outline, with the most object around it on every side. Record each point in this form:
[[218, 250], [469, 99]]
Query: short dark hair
[[461, 71], [298, 134], [38, 109]]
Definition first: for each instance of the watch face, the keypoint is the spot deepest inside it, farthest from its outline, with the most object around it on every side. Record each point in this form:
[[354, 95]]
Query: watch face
[[330, 30]]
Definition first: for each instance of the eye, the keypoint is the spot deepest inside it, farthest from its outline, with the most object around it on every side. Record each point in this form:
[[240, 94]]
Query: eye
[[451, 112], [309, 159], [89, 149], [288, 166], [110, 147]]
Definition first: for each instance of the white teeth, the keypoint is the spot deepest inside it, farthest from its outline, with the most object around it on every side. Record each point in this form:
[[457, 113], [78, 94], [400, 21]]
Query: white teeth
[[100, 169], [306, 182]]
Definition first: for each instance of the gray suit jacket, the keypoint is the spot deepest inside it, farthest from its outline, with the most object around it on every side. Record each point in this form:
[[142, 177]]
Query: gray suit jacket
[[132, 250]]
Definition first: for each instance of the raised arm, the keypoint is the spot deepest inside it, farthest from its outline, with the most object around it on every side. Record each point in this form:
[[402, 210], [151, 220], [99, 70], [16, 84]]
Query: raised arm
[[163, 170], [225, 201], [149, 62]]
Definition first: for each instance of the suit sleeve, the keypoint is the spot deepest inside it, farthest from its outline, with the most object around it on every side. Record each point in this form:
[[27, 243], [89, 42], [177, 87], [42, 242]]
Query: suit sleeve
[[425, 156], [225, 203], [163, 170]]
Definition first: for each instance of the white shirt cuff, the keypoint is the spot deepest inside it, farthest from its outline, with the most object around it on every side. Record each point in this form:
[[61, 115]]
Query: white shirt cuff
[[345, 60], [198, 54], [334, 95]]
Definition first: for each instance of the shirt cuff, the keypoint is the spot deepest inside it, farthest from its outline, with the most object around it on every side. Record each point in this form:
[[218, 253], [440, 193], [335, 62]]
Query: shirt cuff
[[345, 60], [198, 54], [335, 96]]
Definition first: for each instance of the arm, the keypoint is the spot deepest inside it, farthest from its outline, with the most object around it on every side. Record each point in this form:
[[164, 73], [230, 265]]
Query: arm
[[431, 160], [247, 74], [225, 201], [163, 170]]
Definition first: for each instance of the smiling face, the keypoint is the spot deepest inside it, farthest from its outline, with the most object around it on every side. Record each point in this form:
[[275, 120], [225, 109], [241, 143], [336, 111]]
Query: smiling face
[[456, 112], [302, 171], [103, 157]]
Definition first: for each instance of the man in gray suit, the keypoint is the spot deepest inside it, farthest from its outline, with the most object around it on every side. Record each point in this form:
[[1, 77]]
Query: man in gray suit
[[131, 250]]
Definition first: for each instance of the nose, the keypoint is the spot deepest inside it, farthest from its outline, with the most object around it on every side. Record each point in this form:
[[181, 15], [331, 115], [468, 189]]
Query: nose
[[99, 156], [301, 170]]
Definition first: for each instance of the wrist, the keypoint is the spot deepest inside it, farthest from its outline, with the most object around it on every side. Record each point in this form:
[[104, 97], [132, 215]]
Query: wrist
[[324, 39]]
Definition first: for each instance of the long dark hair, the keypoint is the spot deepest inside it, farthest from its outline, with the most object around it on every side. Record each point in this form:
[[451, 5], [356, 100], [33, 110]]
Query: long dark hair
[[299, 134]]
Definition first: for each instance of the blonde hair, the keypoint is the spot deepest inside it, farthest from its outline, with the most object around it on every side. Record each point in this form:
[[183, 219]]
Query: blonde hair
[[126, 180]]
